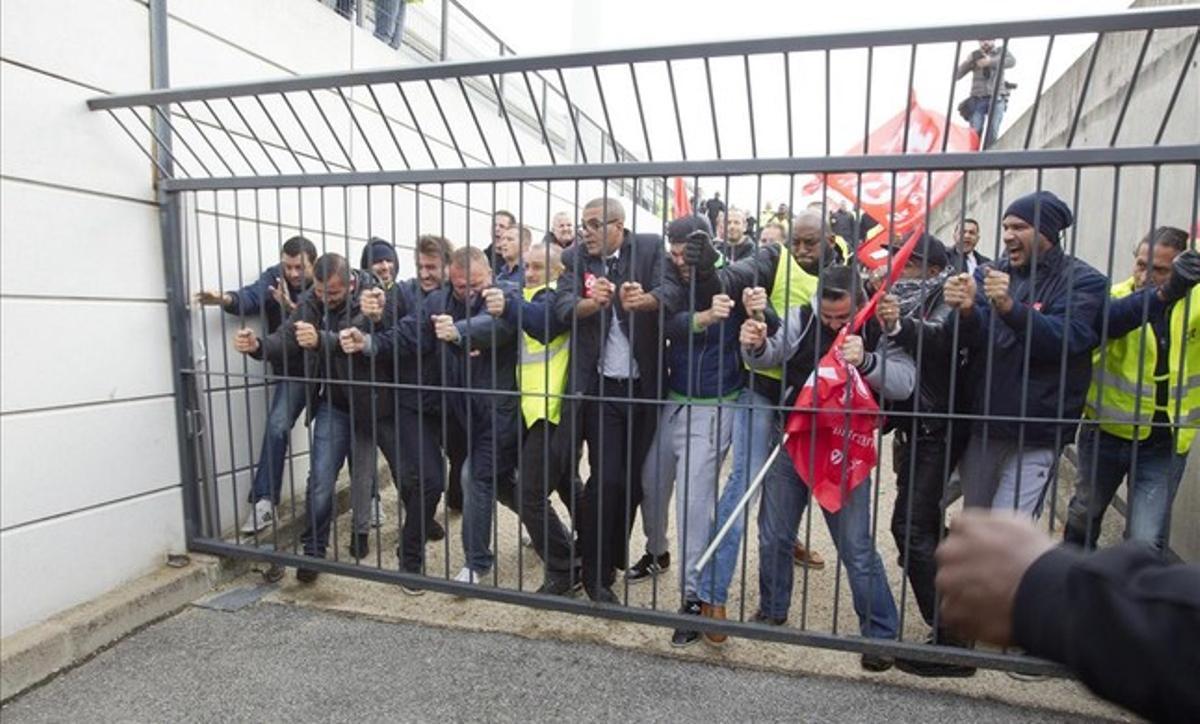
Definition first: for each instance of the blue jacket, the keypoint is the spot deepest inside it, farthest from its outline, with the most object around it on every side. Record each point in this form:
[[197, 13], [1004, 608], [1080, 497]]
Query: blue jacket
[[1061, 313], [255, 300], [705, 364]]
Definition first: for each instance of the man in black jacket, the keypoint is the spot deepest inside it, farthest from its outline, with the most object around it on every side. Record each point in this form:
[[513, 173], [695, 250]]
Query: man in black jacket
[[964, 256], [1032, 310], [273, 296], [926, 446], [1123, 620], [313, 331], [610, 293]]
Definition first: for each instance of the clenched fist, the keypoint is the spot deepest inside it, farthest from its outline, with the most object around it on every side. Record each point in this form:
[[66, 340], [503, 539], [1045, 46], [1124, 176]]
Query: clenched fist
[[722, 307], [493, 300], [753, 334], [306, 335], [444, 329], [888, 312], [636, 299], [959, 292], [852, 350], [352, 340], [245, 341], [602, 292], [754, 299], [372, 302], [995, 288]]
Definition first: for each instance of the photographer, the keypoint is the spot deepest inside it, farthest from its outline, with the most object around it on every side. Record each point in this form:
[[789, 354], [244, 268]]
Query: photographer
[[989, 90]]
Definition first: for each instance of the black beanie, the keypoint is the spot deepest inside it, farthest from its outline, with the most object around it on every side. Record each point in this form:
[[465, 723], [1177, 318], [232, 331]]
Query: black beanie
[[377, 250], [679, 229], [1044, 210]]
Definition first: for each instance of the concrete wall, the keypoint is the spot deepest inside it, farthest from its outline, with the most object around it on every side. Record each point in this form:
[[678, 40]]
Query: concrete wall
[[1110, 217], [90, 492]]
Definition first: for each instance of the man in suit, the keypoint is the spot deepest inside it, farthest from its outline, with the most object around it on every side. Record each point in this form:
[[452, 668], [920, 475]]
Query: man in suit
[[962, 256], [610, 292]]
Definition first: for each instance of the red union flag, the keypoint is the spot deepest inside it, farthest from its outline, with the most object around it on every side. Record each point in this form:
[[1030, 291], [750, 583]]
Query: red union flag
[[683, 205], [830, 434], [898, 200]]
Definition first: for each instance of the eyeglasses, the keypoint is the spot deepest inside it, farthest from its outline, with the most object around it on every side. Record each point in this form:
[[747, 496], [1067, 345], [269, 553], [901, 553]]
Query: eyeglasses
[[596, 224]]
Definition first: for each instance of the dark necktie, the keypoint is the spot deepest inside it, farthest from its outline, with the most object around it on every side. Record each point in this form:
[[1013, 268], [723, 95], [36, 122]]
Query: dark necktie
[[610, 268]]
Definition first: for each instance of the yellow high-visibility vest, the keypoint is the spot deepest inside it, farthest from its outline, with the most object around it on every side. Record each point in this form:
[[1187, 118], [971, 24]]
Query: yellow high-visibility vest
[[542, 372], [1119, 400], [792, 287]]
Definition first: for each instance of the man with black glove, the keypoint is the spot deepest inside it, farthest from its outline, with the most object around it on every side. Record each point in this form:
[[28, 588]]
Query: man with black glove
[[1152, 330]]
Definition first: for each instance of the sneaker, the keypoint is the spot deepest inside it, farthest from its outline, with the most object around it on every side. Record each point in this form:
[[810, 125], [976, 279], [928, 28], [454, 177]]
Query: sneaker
[[559, 585], [648, 567], [876, 663], [760, 617], [306, 575], [805, 558], [360, 545], [260, 517], [932, 669], [410, 589], [434, 531], [525, 539], [466, 575], [686, 637], [379, 517], [718, 613], [602, 594]]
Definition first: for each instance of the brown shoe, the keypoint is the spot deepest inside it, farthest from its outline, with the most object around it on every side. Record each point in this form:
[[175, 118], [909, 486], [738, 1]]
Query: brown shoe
[[715, 612], [806, 558]]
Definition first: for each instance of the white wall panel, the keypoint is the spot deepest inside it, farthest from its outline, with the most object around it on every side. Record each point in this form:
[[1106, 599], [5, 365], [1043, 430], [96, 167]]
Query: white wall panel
[[97, 246], [58, 461], [67, 352], [49, 135], [50, 566]]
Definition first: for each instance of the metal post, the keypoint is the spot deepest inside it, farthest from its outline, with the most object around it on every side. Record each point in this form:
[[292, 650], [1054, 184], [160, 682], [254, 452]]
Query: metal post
[[169, 221], [445, 30]]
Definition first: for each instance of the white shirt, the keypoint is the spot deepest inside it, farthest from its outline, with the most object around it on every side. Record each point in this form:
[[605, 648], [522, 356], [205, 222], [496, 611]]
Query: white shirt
[[617, 360]]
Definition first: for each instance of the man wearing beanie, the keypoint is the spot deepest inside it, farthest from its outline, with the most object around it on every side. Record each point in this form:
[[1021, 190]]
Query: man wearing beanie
[[379, 258], [1029, 322]]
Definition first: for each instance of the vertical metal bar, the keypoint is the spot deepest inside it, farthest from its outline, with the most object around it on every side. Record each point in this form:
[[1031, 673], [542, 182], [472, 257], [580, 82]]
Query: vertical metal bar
[[678, 116], [712, 108], [791, 131], [637, 96], [444, 31], [950, 95], [607, 120], [1133, 79]]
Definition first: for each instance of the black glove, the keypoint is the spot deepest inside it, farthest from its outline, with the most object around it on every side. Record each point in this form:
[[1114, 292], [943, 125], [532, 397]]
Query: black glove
[[700, 254], [1185, 272]]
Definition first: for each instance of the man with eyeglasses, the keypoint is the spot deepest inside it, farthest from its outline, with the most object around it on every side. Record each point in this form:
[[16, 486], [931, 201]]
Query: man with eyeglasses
[[610, 292]]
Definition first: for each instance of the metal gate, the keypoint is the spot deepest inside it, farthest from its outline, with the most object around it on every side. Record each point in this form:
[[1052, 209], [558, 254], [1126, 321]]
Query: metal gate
[[440, 149]]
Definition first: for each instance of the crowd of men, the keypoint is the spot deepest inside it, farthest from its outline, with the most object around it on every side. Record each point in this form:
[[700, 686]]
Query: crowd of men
[[488, 374]]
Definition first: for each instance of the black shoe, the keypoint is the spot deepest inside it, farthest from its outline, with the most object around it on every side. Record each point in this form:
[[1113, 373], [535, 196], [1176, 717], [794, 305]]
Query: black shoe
[[648, 567], [932, 669], [360, 545], [601, 594], [682, 636], [559, 585], [434, 531], [306, 575], [760, 617], [876, 663]]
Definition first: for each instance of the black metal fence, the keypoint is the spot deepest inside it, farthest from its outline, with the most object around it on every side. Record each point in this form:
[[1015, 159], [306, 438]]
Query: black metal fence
[[407, 153]]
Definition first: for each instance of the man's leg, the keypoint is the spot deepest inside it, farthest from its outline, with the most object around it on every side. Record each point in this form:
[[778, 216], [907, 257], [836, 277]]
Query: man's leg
[[478, 503], [1103, 464], [979, 469], [542, 462], [1154, 483], [658, 480], [456, 453], [850, 528], [998, 109], [287, 402], [979, 111], [1024, 476], [331, 443], [364, 474], [698, 465], [917, 517], [754, 433], [783, 499], [420, 483]]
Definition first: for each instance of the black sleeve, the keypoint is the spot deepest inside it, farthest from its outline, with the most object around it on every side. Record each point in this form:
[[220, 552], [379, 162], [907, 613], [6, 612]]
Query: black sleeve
[[1123, 620]]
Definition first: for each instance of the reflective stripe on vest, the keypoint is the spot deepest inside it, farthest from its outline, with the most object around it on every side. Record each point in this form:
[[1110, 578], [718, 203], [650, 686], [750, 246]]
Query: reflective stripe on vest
[[1120, 401], [542, 372], [792, 287]]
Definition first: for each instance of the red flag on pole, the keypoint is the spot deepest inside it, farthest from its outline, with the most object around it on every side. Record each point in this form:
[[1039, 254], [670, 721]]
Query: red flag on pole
[[683, 204], [830, 434], [898, 200]]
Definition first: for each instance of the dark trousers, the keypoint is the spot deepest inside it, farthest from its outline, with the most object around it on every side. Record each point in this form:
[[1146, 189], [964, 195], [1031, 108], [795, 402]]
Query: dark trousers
[[421, 481], [922, 468], [618, 435], [546, 468], [456, 453]]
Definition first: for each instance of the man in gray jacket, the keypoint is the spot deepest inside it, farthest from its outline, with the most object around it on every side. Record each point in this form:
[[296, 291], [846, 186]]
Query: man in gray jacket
[[800, 342], [989, 90]]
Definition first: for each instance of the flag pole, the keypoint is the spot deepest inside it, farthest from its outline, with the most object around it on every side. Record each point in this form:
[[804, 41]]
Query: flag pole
[[741, 506]]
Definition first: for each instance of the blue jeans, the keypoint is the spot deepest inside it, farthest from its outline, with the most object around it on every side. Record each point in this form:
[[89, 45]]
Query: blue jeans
[[389, 21], [1104, 462], [287, 402], [785, 497], [979, 117], [755, 432], [330, 447]]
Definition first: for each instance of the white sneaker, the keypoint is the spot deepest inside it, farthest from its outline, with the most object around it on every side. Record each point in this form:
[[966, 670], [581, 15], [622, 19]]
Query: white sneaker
[[466, 575], [379, 517], [525, 539], [259, 518]]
